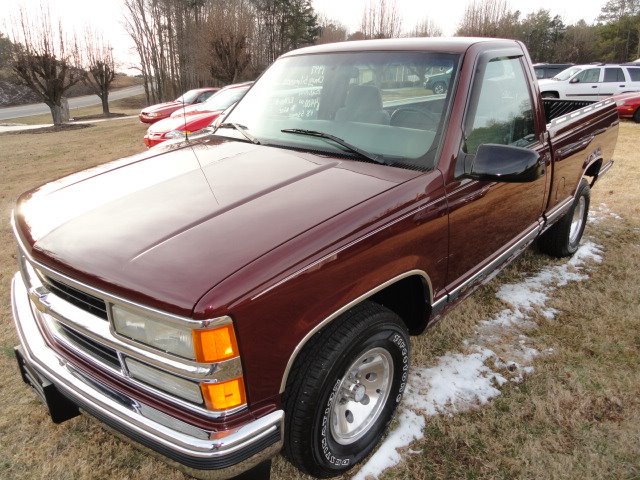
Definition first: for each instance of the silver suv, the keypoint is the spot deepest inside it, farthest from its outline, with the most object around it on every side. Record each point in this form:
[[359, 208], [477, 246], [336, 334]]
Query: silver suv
[[592, 82]]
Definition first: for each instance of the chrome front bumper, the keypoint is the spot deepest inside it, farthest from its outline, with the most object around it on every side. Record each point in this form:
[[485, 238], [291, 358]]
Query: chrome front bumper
[[199, 452]]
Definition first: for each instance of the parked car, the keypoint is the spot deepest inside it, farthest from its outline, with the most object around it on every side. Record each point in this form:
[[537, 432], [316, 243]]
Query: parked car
[[628, 105], [220, 101], [159, 111], [549, 70], [254, 289], [198, 117], [439, 82], [591, 82]]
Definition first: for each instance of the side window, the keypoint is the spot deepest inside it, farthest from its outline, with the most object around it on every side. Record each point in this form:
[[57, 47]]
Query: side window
[[591, 75], [501, 110], [613, 75], [634, 73]]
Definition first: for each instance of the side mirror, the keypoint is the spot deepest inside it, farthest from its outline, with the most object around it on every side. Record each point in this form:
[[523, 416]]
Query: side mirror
[[574, 80], [505, 163]]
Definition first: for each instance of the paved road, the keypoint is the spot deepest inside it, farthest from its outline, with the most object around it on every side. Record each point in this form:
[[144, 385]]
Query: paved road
[[75, 102]]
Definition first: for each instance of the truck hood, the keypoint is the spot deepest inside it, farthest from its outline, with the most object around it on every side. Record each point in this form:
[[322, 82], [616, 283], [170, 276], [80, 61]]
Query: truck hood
[[165, 229]]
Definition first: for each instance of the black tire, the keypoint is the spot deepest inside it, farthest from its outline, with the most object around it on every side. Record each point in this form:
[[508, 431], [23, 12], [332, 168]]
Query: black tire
[[439, 88], [561, 240], [318, 389], [636, 116], [549, 95]]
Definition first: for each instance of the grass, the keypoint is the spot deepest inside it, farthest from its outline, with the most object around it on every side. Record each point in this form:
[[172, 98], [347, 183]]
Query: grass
[[576, 416]]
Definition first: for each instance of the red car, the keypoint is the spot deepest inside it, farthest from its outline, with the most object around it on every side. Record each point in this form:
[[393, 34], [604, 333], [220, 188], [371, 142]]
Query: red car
[[628, 105], [217, 102], [163, 110], [179, 125]]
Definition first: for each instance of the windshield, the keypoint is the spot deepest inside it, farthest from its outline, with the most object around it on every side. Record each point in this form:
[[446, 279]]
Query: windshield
[[375, 102], [188, 97], [567, 74], [224, 98]]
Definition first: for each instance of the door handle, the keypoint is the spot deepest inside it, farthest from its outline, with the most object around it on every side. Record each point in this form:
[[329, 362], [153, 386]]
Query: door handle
[[622, 85], [594, 86]]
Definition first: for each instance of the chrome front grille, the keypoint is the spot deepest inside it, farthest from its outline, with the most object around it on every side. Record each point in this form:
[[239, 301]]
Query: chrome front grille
[[80, 299], [76, 317], [94, 349]]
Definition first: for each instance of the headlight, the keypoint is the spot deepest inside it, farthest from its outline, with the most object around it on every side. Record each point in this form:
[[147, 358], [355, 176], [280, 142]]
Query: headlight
[[202, 345], [177, 134], [151, 114], [205, 345], [166, 337], [619, 103]]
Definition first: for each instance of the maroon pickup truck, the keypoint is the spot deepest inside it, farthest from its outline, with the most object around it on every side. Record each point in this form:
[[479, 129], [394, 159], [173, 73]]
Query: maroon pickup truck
[[254, 288]]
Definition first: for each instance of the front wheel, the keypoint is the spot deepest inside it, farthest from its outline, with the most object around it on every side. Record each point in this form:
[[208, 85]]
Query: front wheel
[[344, 389], [636, 116], [439, 88], [563, 238]]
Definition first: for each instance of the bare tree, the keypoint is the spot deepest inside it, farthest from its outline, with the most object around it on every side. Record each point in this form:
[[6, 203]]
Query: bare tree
[[230, 30], [189, 43], [142, 25], [331, 31], [489, 18], [381, 19], [48, 65], [426, 28], [101, 69]]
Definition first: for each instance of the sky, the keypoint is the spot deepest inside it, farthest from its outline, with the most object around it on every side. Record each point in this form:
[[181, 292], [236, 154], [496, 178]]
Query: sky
[[106, 15]]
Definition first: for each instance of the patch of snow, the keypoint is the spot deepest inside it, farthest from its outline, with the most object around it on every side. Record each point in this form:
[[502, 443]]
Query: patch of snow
[[457, 381], [600, 213], [409, 429], [497, 353]]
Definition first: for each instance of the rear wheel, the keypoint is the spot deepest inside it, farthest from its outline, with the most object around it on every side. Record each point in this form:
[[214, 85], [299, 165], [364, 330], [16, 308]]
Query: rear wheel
[[343, 390], [563, 238]]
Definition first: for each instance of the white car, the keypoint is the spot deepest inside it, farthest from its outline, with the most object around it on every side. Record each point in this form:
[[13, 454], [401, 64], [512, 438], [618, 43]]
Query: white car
[[591, 82]]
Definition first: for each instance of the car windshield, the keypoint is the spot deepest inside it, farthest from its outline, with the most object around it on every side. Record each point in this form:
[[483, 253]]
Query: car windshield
[[374, 103], [224, 98], [188, 97], [567, 74]]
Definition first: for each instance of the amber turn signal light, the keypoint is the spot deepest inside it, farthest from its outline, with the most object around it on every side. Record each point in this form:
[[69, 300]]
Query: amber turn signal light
[[215, 345], [224, 395]]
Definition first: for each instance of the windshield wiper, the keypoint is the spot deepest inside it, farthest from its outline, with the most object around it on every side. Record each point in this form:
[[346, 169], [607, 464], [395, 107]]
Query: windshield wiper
[[339, 141], [241, 128]]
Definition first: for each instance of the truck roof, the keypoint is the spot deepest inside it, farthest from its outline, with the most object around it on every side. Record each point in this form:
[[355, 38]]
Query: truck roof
[[438, 44]]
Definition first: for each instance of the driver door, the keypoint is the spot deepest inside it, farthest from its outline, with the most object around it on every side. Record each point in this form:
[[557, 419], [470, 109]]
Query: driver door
[[491, 221]]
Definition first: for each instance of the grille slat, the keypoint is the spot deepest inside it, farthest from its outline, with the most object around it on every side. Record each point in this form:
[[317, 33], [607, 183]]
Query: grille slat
[[80, 299], [94, 349]]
